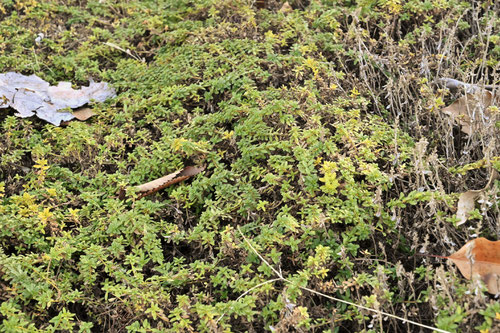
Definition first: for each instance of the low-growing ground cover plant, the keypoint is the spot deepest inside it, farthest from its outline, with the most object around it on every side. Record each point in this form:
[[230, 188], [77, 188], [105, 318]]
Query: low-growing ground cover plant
[[326, 153]]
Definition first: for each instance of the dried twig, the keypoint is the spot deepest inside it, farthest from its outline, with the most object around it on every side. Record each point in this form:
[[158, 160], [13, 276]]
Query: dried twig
[[280, 277], [247, 292], [127, 51]]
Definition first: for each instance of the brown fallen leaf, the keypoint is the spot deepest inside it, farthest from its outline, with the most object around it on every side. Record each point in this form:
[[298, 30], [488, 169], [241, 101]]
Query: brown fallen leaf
[[260, 4], [480, 258], [473, 111], [466, 203], [160, 183], [83, 113], [467, 200], [286, 8]]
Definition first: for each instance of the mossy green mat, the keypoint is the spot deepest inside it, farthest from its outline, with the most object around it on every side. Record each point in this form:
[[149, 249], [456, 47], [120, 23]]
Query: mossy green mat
[[323, 143]]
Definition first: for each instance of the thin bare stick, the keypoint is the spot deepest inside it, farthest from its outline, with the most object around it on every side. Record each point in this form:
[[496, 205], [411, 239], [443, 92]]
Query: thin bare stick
[[261, 257], [338, 299], [248, 291]]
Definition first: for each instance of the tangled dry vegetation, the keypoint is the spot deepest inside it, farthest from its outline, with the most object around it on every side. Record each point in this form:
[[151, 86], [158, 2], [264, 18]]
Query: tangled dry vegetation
[[329, 166]]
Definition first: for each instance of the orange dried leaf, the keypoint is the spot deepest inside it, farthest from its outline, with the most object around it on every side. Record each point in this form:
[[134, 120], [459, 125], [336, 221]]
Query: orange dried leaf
[[173, 178], [480, 258]]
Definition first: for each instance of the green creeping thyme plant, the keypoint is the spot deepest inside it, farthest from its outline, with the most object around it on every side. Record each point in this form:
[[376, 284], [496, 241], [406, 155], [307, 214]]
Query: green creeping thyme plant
[[310, 123]]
